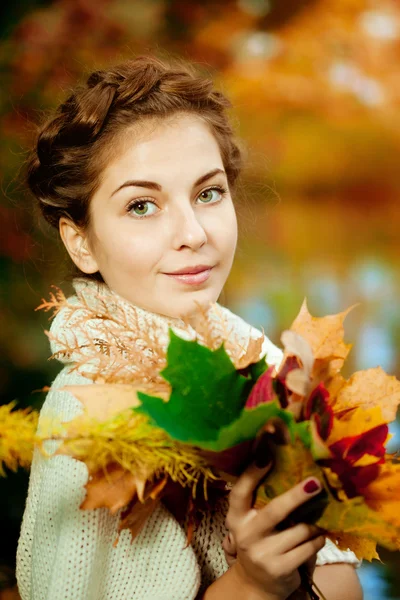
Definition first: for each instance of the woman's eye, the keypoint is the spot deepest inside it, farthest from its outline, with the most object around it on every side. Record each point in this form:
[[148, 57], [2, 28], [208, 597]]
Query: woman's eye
[[212, 195], [142, 208]]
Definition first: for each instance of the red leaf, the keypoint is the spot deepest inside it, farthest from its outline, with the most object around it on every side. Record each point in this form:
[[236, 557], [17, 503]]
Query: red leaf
[[263, 390], [291, 362], [353, 479], [371, 442], [318, 405]]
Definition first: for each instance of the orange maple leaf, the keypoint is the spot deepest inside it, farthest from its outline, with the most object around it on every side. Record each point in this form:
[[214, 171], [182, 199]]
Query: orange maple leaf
[[325, 336]]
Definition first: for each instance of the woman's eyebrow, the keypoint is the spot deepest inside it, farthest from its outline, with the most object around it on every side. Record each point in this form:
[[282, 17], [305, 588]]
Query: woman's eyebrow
[[156, 186]]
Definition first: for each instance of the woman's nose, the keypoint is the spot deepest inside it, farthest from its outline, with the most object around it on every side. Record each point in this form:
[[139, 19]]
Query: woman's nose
[[188, 230]]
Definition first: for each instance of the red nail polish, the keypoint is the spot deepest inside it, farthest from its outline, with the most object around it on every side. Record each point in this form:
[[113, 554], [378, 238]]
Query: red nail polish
[[311, 486]]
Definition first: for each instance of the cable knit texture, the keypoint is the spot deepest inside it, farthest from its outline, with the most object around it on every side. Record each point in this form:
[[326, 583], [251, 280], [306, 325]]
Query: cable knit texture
[[65, 553]]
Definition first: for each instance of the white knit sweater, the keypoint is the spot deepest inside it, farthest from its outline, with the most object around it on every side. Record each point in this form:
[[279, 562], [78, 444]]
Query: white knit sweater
[[65, 553]]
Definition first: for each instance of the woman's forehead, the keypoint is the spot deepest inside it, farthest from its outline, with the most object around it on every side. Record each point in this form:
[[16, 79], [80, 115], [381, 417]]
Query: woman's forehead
[[186, 147]]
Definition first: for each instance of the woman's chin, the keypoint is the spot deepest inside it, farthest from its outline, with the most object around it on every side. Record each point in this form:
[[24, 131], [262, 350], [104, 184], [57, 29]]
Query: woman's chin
[[197, 305]]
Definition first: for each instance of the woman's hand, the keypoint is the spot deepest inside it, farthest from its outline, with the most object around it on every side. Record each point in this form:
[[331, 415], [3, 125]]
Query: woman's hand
[[264, 558]]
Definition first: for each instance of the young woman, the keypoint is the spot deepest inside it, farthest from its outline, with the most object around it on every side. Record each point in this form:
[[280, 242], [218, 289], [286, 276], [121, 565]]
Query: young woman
[[137, 171]]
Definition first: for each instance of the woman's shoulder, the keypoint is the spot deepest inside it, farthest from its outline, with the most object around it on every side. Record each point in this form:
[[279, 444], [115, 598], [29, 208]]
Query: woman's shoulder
[[244, 330]]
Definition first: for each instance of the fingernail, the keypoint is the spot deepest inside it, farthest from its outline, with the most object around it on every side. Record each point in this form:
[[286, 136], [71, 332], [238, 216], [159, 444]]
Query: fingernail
[[263, 453], [312, 486]]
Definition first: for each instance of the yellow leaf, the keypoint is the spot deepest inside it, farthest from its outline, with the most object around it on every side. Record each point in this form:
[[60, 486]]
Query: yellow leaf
[[355, 517], [292, 463], [350, 522], [17, 436], [370, 388], [382, 494]]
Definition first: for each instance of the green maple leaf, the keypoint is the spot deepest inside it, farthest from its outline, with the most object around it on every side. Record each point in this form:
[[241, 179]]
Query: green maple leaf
[[247, 425], [206, 405], [257, 369], [208, 393]]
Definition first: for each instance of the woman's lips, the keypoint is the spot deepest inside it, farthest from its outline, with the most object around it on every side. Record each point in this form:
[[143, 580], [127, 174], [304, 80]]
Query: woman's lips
[[192, 278]]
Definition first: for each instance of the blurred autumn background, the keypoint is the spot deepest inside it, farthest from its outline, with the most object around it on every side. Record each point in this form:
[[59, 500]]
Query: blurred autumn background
[[315, 86]]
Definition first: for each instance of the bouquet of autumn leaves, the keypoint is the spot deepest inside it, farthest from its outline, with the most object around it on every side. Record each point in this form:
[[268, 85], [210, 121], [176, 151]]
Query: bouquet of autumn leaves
[[193, 425]]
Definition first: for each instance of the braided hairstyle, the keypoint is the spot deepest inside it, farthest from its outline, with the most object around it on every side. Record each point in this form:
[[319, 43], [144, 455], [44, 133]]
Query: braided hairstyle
[[74, 145]]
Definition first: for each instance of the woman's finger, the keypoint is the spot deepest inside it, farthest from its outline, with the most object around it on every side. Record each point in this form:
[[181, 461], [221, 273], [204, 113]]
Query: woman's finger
[[229, 547], [287, 540], [280, 507], [303, 553], [241, 495]]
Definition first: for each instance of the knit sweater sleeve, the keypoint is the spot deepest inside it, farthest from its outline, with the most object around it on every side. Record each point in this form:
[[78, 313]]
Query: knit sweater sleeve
[[65, 553]]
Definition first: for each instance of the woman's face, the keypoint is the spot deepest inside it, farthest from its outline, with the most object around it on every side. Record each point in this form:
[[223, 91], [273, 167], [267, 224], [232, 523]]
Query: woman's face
[[163, 225]]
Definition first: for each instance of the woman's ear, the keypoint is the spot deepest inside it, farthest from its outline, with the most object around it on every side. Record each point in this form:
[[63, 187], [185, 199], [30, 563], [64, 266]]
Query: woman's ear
[[77, 246]]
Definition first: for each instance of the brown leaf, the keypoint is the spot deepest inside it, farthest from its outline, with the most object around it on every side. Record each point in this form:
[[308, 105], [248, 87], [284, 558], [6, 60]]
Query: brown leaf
[[370, 388], [136, 514], [113, 488], [140, 509]]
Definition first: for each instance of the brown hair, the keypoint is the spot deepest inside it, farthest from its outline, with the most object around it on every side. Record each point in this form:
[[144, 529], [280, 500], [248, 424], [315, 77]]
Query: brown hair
[[74, 145]]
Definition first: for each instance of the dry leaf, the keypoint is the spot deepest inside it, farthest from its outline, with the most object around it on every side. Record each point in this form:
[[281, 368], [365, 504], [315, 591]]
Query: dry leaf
[[113, 488], [252, 354], [103, 401], [325, 336], [357, 518], [136, 515], [370, 388], [362, 547]]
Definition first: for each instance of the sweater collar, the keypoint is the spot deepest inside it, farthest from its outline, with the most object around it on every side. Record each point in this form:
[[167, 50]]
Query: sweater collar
[[95, 313], [92, 291]]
